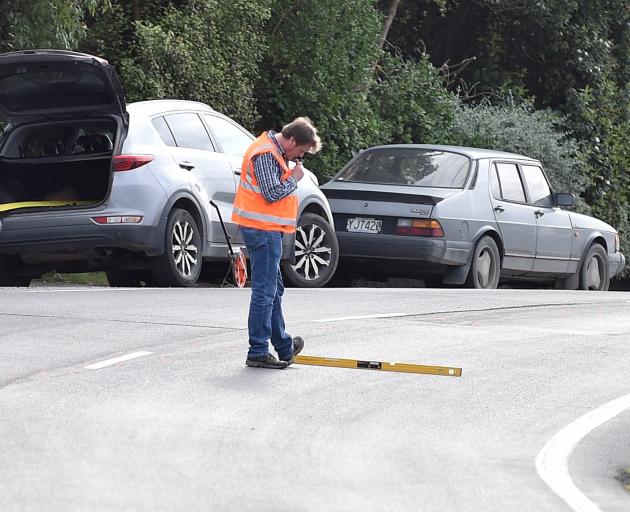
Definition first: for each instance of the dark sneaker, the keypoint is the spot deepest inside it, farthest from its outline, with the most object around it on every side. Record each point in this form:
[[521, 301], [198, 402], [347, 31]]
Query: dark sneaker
[[298, 345], [267, 361]]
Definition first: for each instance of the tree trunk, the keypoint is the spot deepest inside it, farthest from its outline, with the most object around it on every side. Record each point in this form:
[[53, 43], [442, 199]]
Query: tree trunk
[[136, 13], [393, 7]]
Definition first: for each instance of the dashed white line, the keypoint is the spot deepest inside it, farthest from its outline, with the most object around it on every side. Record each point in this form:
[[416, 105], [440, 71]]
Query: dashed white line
[[115, 360], [362, 317], [552, 460]]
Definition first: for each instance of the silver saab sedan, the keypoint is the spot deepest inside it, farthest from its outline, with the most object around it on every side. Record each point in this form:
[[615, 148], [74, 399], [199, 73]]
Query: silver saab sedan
[[463, 216]]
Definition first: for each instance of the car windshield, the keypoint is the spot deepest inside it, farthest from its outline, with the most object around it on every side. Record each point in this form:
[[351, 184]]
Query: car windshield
[[408, 166]]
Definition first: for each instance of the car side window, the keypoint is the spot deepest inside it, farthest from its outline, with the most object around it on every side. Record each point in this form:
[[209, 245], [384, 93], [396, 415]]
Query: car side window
[[159, 123], [233, 140], [510, 185], [539, 191], [189, 131]]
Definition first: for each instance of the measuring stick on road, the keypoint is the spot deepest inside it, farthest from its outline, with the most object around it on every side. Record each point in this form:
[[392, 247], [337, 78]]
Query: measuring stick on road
[[447, 371]]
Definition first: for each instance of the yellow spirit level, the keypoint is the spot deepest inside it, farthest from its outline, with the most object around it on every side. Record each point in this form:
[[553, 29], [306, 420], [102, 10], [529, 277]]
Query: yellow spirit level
[[447, 371]]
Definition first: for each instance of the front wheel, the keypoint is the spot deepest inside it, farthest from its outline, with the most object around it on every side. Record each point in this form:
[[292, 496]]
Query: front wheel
[[316, 253], [485, 268], [594, 273], [180, 264]]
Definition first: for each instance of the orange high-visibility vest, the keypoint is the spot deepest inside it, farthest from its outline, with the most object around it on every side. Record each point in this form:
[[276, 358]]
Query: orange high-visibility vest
[[251, 209]]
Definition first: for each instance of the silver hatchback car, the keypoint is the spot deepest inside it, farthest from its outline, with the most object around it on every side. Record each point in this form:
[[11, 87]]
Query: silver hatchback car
[[90, 183], [453, 216]]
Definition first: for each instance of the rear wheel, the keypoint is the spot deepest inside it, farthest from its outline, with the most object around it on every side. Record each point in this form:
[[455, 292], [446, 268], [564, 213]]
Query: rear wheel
[[180, 264], [316, 253], [485, 268], [594, 274]]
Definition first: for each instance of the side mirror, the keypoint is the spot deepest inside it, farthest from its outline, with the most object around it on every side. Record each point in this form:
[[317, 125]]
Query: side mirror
[[563, 199]]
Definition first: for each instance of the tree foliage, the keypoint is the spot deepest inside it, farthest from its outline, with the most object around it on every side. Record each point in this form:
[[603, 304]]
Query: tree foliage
[[539, 134], [204, 50], [320, 64], [45, 23], [325, 61], [602, 120], [541, 49], [412, 102]]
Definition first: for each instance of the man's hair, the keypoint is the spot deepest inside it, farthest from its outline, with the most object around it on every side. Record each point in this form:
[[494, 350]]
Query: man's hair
[[304, 133]]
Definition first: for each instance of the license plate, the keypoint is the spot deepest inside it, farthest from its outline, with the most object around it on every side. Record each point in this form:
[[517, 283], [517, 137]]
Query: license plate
[[363, 225]]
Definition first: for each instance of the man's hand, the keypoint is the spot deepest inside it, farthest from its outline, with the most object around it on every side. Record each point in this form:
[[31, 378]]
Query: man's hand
[[297, 172]]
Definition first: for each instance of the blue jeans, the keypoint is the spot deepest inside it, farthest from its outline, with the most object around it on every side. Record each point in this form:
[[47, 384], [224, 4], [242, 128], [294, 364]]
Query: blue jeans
[[264, 250]]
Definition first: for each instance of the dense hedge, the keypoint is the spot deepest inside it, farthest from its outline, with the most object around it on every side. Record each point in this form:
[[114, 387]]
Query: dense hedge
[[206, 51], [540, 134]]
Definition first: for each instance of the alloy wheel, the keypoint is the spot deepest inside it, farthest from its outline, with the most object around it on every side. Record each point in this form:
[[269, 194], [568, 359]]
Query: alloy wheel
[[312, 251], [185, 253]]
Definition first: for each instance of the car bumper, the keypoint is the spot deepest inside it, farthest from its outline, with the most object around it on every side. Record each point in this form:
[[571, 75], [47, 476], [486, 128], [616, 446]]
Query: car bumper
[[392, 247], [77, 238], [616, 263]]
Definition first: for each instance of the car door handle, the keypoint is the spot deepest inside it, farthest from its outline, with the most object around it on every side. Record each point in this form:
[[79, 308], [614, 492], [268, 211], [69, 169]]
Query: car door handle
[[187, 165], [539, 213], [238, 173], [499, 209]]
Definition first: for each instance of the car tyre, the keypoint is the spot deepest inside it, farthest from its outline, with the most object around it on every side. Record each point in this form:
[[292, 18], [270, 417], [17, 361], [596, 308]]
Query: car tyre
[[316, 253], [485, 269], [180, 264], [594, 272]]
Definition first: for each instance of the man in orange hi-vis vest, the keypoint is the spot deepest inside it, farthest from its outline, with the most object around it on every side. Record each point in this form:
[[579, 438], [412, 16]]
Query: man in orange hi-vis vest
[[266, 208]]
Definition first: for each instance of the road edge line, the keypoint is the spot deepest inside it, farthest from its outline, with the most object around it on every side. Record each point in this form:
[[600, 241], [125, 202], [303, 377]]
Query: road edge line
[[109, 362], [552, 460]]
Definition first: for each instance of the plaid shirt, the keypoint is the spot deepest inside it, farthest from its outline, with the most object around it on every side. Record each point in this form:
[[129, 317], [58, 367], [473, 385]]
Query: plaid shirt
[[268, 175]]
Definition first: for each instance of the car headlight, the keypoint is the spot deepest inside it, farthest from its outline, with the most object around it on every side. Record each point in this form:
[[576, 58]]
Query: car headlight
[[617, 243]]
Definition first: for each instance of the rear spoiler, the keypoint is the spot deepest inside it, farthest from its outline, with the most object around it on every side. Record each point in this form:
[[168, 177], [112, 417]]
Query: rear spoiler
[[385, 197]]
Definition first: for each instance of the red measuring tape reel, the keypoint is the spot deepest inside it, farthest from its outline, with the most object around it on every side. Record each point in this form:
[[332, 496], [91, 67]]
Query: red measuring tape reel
[[239, 269]]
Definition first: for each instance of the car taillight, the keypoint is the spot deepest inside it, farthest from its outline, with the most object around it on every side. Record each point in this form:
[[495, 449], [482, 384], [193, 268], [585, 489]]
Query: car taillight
[[128, 162], [118, 219], [419, 227]]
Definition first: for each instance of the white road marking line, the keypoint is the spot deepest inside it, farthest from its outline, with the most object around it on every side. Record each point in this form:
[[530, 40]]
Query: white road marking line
[[551, 461], [362, 317], [86, 289], [109, 362]]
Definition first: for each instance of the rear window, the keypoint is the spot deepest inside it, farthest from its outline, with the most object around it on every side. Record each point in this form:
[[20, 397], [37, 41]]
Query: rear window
[[403, 166], [60, 139], [189, 131], [34, 86]]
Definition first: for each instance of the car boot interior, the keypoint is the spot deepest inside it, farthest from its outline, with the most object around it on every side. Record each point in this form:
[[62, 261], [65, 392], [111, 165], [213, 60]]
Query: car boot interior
[[68, 163]]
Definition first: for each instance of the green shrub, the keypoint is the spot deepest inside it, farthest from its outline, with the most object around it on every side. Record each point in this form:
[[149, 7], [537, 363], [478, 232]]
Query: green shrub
[[324, 62], [320, 64], [45, 23], [412, 102], [601, 118], [540, 134], [206, 51]]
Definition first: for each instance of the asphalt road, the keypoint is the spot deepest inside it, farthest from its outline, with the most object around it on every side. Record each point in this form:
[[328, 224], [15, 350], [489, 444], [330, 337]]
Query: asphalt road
[[185, 426]]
